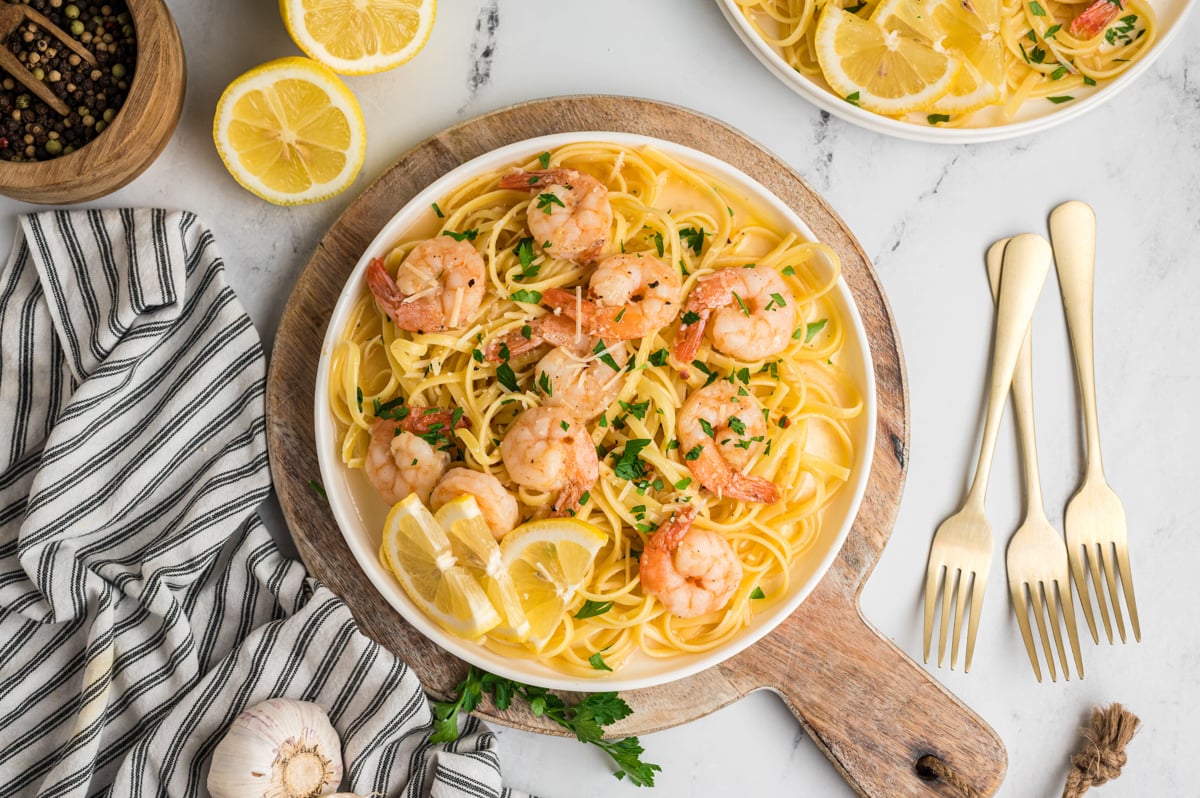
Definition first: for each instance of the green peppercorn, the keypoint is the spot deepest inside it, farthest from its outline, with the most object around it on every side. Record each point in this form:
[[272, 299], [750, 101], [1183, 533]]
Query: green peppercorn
[[77, 27], [118, 71], [54, 147], [67, 150], [83, 110], [23, 101], [39, 73], [109, 114], [71, 11], [100, 126]]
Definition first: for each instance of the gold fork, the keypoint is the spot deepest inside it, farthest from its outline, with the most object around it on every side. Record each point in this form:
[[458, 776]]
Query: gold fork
[[1095, 519], [1037, 557], [962, 545]]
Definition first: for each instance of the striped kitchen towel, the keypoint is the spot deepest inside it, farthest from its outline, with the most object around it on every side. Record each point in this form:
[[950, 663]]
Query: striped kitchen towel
[[143, 604]]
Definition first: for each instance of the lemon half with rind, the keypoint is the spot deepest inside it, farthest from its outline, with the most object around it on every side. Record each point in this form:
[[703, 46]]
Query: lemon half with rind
[[290, 131], [548, 561], [359, 37], [886, 71], [419, 552]]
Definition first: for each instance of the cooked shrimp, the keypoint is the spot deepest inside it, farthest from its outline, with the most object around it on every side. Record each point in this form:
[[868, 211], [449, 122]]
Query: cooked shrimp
[[548, 449], [439, 286], [399, 462], [570, 217], [548, 329], [499, 507], [691, 571], [749, 311], [715, 457], [583, 382], [629, 296]]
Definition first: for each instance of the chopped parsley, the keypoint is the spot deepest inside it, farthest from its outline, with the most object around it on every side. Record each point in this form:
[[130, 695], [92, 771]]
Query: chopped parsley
[[1036, 9], [477, 355], [757, 593], [597, 661], [1060, 100], [565, 426], [524, 253], [812, 328], [637, 410], [506, 377], [438, 211], [547, 201], [708, 429], [934, 119], [629, 465], [591, 609], [1058, 73], [694, 453], [737, 425], [605, 358], [358, 397], [392, 409], [691, 317], [545, 384], [683, 483], [318, 489], [465, 235], [658, 243], [790, 271], [1051, 31], [525, 295], [658, 357], [852, 98], [544, 160], [693, 237], [741, 304]]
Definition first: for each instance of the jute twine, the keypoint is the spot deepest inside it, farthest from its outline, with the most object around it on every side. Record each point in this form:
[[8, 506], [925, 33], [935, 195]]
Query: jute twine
[[1103, 757], [1111, 729]]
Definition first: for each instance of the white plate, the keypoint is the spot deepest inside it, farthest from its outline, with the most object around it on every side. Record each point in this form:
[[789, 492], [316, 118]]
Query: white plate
[[1033, 117], [359, 512]]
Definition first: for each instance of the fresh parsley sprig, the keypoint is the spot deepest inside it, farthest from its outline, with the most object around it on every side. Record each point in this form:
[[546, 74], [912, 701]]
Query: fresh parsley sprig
[[585, 719]]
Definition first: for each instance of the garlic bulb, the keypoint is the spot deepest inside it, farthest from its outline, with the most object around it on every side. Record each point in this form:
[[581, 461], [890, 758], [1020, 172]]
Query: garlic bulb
[[277, 749]]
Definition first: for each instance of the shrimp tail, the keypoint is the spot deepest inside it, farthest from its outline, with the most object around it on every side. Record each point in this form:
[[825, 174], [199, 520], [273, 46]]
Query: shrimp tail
[[1092, 21], [567, 502], [687, 340], [383, 287], [415, 316], [668, 536], [552, 330], [423, 419], [716, 475], [538, 178], [615, 322]]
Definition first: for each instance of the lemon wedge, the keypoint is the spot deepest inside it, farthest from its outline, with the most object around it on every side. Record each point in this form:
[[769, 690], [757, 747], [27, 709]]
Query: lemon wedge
[[476, 550], [886, 71], [290, 131], [419, 552], [548, 560], [358, 37]]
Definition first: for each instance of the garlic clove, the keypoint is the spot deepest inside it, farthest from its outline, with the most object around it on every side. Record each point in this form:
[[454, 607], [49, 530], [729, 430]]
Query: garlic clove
[[280, 748]]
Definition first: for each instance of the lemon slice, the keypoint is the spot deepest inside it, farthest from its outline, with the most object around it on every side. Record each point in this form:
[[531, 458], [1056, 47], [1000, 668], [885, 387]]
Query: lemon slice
[[357, 37], [419, 552], [885, 71], [969, 31], [548, 560], [475, 549], [290, 131]]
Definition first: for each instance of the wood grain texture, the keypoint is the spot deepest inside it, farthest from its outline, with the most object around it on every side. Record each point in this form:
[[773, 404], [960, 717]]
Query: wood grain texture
[[137, 134], [870, 708]]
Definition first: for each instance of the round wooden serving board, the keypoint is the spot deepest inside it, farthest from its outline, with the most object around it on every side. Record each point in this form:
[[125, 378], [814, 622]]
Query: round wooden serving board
[[871, 709]]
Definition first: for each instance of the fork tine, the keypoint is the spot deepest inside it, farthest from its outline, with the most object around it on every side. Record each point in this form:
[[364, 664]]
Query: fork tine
[[1109, 568], [1127, 585], [933, 578], [960, 607], [1079, 577], [949, 588], [978, 587], [1093, 557], [1021, 608], [1068, 611], [1052, 614], [1039, 615]]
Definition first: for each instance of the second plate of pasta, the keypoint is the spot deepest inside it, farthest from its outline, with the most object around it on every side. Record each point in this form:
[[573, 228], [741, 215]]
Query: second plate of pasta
[[594, 409], [949, 71]]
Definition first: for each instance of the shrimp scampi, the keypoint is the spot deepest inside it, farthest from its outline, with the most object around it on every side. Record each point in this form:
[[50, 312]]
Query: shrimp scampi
[[692, 571], [749, 311], [720, 430], [499, 507], [571, 217], [549, 449], [629, 296], [439, 286], [406, 453]]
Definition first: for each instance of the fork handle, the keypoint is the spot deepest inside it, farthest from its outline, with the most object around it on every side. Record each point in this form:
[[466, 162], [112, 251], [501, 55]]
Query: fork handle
[[1073, 231], [1026, 262]]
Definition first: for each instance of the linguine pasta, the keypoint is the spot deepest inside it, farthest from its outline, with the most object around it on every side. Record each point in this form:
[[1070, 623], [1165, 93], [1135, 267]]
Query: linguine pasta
[[665, 208]]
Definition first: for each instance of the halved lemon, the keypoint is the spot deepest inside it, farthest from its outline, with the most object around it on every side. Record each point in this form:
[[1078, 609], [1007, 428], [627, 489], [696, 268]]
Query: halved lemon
[[418, 551], [476, 550], [969, 31], [548, 561], [358, 37], [886, 71], [290, 131]]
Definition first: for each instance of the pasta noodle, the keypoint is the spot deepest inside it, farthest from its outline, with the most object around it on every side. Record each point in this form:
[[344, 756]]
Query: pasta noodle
[[1042, 59], [660, 206]]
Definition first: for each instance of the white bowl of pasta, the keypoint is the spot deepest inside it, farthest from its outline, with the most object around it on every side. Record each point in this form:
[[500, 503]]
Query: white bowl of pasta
[[755, 461], [1008, 67]]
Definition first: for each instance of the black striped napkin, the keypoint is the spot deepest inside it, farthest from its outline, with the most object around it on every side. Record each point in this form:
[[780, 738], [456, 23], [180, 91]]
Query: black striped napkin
[[143, 604]]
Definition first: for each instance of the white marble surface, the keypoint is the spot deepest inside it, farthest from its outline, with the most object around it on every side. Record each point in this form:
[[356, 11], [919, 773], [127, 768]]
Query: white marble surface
[[925, 214]]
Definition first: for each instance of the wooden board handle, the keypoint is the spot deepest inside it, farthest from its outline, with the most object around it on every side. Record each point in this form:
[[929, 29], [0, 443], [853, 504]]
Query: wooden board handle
[[875, 712]]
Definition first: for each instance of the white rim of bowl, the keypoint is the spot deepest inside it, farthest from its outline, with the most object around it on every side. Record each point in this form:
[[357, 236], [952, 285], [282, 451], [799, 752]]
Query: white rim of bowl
[[332, 469], [826, 101]]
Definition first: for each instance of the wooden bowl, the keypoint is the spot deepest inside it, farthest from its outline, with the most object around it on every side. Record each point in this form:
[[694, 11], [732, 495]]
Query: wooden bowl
[[138, 133]]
